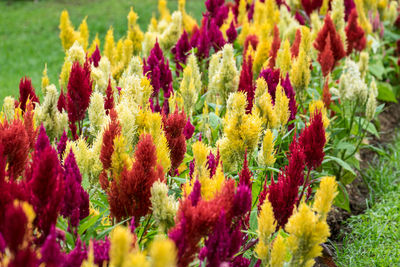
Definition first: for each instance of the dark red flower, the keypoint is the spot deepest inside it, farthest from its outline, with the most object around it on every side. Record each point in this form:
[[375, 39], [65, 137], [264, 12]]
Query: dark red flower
[[62, 102], [180, 51], [51, 253], [231, 33], [107, 149], [79, 91], [312, 140], [14, 227], [174, 125], [26, 91], [252, 40], [326, 95], [336, 44], [188, 130], [62, 144], [130, 195], [355, 34], [95, 58], [245, 175], [15, 142], [325, 58], [246, 82], [311, 5]]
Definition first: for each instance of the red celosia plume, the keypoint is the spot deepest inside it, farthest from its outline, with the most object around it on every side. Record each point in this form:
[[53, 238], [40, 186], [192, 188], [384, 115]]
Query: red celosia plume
[[109, 101], [26, 91], [174, 125], [130, 194], [355, 34], [246, 83], [107, 149], [276, 43]]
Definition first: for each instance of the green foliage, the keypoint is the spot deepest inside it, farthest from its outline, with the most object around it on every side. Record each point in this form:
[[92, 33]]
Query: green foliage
[[374, 236]]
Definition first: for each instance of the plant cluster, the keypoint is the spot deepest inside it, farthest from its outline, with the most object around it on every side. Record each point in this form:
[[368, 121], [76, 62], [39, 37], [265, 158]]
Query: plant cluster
[[220, 143]]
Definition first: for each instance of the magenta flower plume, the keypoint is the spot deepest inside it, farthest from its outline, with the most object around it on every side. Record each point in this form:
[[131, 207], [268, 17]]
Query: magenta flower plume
[[348, 7], [45, 185], [51, 250], [242, 200], [215, 36], [180, 51], [246, 83], [77, 255], [101, 250], [311, 5], [62, 144], [14, 227], [202, 40], [231, 33], [76, 199], [62, 102], [295, 168], [95, 58], [79, 91], [299, 18], [156, 68], [191, 169], [217, 11], [188, 130], [313, 140], [211, 164], [290, 93], [272, 78], [195, 195], [217, 245], [26, 91]]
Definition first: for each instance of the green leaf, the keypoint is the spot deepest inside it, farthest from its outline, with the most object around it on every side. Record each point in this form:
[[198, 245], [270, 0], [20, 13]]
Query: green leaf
[[385, 92], [339, 161], [253, 220], [347, 178], [89, 222], [342, 199], [377, 69]]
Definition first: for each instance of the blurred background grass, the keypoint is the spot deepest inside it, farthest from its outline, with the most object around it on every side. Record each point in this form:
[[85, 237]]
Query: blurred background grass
[[29, 33]]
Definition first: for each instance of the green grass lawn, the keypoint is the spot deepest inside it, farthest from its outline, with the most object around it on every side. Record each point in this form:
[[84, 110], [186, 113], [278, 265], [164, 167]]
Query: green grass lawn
[[375, 235], [29, 33]]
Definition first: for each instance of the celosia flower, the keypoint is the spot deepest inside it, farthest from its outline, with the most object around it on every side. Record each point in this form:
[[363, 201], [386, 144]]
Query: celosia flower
[[62, 144], [278, 252], [195, 195], [195, 222], [188, 130], [15, 142], [101, 250], [266, 227], [329, 33], [51, 254], [311, 5], [134, 34], [26, 91], [242, 200], [121, 240], [215, 36], [29, 124], [47, 114], [45, 185], [355, 34], [296, 44], [325, 195], [130, 195], [79, 91], [164, 207], [306, 233], [312, 140], [15, 227], [163, 252], [267, 155], [246, 83], [251, 40], [76, 256], [326, 95], [371, 103], [221, 245], [325, 58], [231, 33], [245, 176], [174, 125], [76, 200], [95, 58], [62, 102], [157, 70], [180, 51], [107, 149], [276, 43]]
